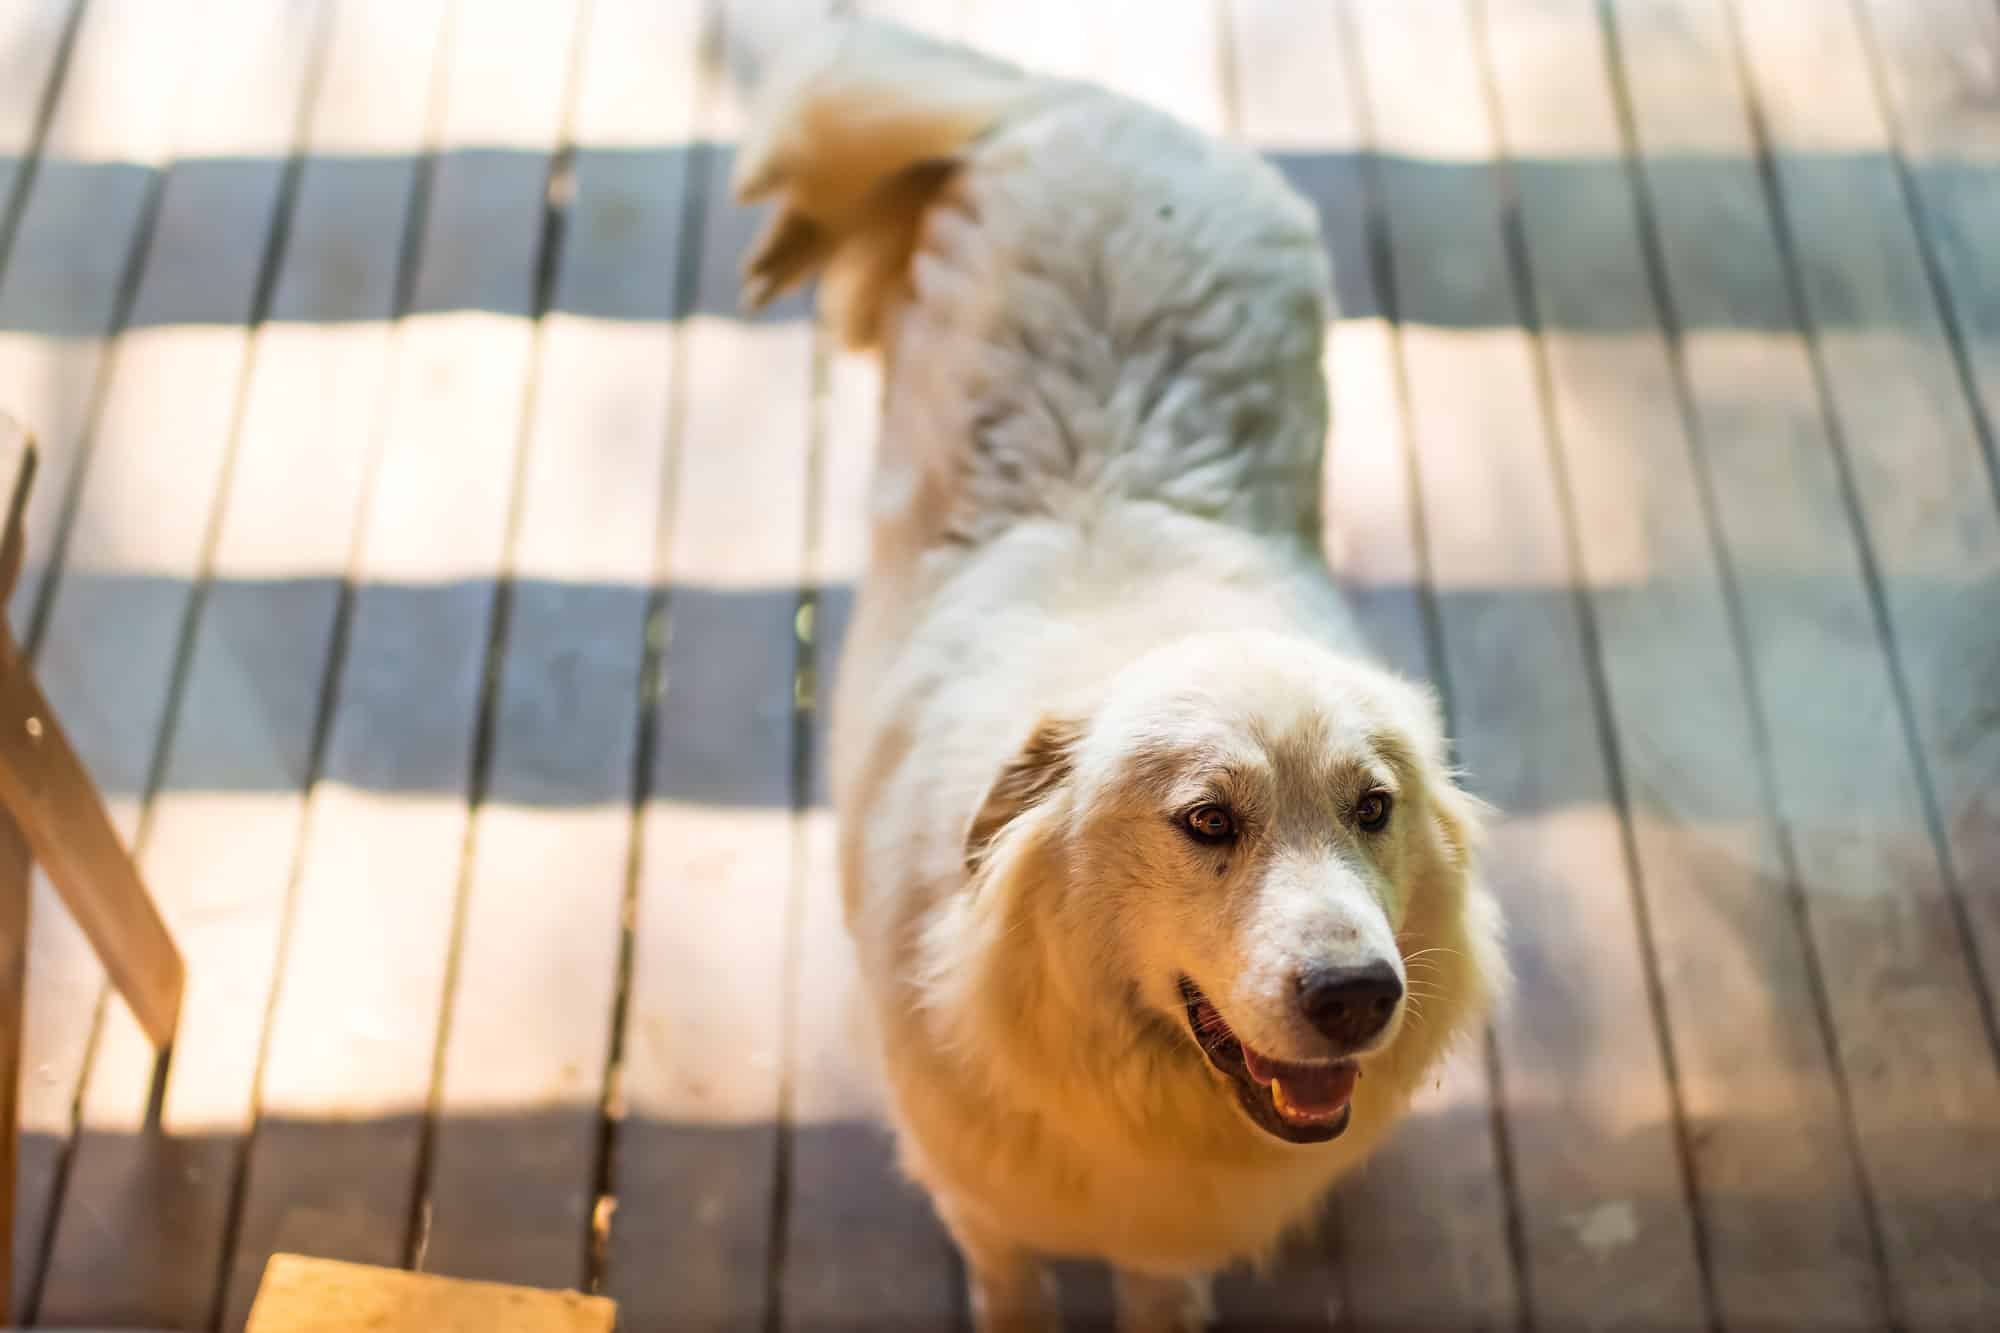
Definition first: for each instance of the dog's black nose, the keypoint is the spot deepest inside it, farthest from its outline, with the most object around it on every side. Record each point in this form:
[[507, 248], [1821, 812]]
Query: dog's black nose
[[1350, 1004]]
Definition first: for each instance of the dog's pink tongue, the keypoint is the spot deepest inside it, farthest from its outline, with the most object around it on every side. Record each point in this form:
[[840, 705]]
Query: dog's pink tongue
[[1305, 1090]]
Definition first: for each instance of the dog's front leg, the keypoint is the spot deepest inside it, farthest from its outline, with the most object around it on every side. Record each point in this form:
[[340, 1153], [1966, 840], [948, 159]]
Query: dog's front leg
[[1163, 1304], [1010, 1291]]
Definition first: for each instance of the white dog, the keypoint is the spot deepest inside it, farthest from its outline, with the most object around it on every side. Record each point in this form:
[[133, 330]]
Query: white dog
[[1163, 894]]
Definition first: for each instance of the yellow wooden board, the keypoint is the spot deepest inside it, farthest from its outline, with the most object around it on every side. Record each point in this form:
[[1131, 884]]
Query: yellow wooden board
[[301, 1295]]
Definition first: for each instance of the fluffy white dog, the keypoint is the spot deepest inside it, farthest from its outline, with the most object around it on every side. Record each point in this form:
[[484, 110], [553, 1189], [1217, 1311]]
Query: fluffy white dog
[[1163, 893]]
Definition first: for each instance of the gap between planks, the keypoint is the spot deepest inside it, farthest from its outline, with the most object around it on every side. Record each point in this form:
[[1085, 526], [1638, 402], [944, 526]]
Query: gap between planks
[[501, 618]]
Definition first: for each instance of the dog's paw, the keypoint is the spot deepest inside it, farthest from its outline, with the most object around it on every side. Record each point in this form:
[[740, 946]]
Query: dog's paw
[[1024, 1302], [1164, 1305], [1015, 1319]]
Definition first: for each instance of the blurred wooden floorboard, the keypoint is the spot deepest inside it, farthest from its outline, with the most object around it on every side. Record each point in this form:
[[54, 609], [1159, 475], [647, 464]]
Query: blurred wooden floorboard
[[445, 582]]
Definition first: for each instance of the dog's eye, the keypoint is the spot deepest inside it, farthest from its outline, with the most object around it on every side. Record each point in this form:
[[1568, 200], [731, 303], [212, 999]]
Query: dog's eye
[[1372, 811], [1210, 823]]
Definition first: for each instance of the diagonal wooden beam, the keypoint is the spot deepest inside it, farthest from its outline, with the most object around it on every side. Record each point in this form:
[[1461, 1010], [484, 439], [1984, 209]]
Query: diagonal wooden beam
[[45, 787], [17, 475]]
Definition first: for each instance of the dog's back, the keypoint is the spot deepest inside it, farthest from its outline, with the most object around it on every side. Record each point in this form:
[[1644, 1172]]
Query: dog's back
[[1083, 302]]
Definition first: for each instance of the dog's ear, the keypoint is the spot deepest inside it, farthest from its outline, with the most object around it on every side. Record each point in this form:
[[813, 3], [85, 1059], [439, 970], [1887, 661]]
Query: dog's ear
[[1461, 822], [1418, 742], [1039, 767]]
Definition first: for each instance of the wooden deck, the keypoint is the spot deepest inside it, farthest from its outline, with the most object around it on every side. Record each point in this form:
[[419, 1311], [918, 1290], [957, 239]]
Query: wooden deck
[[440, 576]]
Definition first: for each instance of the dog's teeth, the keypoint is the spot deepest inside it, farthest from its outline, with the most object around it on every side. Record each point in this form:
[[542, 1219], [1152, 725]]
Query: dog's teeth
[[1291, 1110], [1286, 1106]]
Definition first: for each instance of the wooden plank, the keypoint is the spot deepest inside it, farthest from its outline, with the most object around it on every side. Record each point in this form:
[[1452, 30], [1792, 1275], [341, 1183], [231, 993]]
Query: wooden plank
[[335, 1166], [1588, 1110], [1939, 65], [949, 19], [87, 207], [31, 46], [301, 1295], [1046, 37], [1940, 62], [861, 1240], [1908, 441], [1909, 436], [524, 1062], [1910, 1041], [145, 1226], [1418, 1239], [1787, 1240], [59, 299], [1166, 53], [17, 482], [697, 1160]]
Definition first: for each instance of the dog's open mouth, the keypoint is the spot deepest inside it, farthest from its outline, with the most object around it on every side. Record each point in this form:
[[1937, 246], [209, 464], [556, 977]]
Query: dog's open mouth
[[1300, 1103]]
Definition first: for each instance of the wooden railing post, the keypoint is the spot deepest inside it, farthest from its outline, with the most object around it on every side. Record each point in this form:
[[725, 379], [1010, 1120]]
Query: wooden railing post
[[17, 474], [16, 864]]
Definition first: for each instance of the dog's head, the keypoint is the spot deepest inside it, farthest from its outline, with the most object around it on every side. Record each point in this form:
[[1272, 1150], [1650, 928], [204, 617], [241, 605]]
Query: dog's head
[[1258, 843]]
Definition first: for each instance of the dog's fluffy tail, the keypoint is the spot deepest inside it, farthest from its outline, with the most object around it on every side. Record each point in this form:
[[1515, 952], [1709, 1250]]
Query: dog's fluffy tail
[[854, 131]]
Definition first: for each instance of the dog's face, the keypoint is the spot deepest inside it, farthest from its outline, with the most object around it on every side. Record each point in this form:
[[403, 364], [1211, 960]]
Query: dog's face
[[1256, 837]]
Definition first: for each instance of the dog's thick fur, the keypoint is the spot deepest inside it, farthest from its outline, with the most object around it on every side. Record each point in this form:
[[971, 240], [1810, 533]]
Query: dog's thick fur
[[1097, 593]]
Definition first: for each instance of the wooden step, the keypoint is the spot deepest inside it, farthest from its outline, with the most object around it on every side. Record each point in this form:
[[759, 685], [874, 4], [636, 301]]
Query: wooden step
[[301, 1295]]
